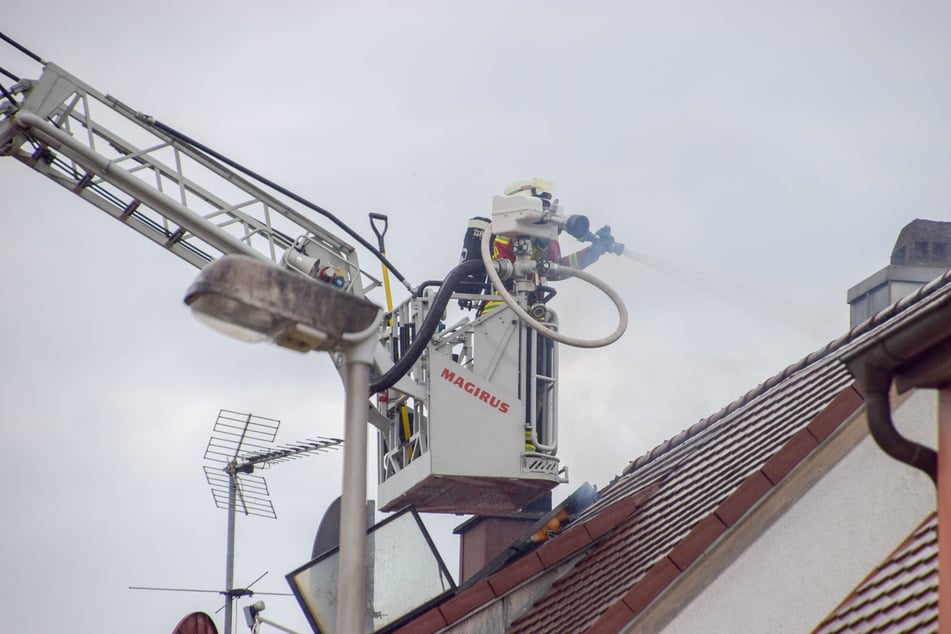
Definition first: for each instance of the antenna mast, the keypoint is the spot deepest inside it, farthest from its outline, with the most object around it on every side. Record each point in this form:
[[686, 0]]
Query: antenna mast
[[238, 443]]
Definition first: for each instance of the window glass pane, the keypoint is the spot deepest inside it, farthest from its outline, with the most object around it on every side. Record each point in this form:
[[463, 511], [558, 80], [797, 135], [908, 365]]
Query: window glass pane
[[404, 573]]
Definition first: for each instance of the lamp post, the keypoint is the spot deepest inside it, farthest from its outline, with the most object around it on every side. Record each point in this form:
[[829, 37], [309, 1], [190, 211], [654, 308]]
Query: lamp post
[[254, 300]]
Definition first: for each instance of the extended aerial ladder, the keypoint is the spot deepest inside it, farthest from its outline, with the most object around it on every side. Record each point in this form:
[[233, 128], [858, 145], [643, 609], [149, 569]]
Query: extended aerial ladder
[[466, 414]]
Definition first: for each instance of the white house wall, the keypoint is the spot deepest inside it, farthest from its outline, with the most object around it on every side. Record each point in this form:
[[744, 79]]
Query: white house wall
[[803, 562]]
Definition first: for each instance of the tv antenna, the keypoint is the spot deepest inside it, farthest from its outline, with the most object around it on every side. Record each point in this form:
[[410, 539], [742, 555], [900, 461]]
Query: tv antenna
[[239, 443]]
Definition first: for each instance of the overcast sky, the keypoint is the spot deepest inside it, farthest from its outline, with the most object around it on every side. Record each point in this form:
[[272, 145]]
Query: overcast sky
[[768, 151]]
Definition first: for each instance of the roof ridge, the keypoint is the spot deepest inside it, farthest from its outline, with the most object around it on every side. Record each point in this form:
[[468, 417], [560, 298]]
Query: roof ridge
[[872, 322]]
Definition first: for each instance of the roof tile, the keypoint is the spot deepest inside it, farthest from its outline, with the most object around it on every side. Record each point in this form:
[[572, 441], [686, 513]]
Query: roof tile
[[653, 583], [427, 623], [568, 543], [515, 573], [829, 419], [466, 601], [610, 517], [699, 539], [798, 447], [613, 620], [743, 499]]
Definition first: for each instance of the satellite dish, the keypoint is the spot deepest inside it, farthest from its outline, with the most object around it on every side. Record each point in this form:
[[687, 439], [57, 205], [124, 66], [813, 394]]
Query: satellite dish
[[196, 623], [328, 533]]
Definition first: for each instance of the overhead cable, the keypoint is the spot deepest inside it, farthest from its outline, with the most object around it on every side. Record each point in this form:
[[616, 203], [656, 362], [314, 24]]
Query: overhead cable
[[353, 234], [22, 48]]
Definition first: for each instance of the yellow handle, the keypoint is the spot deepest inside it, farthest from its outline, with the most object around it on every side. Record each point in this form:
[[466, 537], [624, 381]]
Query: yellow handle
[[389, 307]]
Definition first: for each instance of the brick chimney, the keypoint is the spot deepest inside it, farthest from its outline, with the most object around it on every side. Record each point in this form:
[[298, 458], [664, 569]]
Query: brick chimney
[[483, 538]]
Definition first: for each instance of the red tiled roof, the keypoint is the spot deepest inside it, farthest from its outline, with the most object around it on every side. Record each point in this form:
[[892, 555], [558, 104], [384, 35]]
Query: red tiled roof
[[688, 492], [709, 481], [901, 595]]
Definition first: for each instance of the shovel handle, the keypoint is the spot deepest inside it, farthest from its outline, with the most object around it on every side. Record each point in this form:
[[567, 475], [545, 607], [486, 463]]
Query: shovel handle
[[374, 217]]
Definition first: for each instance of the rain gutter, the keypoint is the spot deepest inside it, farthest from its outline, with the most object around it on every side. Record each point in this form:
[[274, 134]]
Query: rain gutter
[[914, 353]]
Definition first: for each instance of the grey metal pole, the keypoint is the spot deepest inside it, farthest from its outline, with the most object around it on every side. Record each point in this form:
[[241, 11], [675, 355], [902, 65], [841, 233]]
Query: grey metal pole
[[351, 573], [229, 563]]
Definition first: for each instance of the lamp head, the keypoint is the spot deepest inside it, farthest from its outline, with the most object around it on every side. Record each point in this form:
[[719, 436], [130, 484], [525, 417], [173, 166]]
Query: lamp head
[[254, 300]]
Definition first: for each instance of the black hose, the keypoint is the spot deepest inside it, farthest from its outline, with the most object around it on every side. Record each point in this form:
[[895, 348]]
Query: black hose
[[350, 232], [4, 71], [422, 287], [389, 378], [22, 49], [6, 93]]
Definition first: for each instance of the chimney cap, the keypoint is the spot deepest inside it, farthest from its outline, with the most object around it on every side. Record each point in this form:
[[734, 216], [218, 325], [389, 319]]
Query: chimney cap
[[923, 243]]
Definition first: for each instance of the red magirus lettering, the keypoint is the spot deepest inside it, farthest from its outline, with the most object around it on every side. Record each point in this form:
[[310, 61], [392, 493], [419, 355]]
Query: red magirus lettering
[[477, 392]]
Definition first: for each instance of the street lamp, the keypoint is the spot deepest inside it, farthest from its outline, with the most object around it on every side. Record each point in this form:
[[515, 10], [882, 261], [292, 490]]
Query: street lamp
[[254, 300]]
